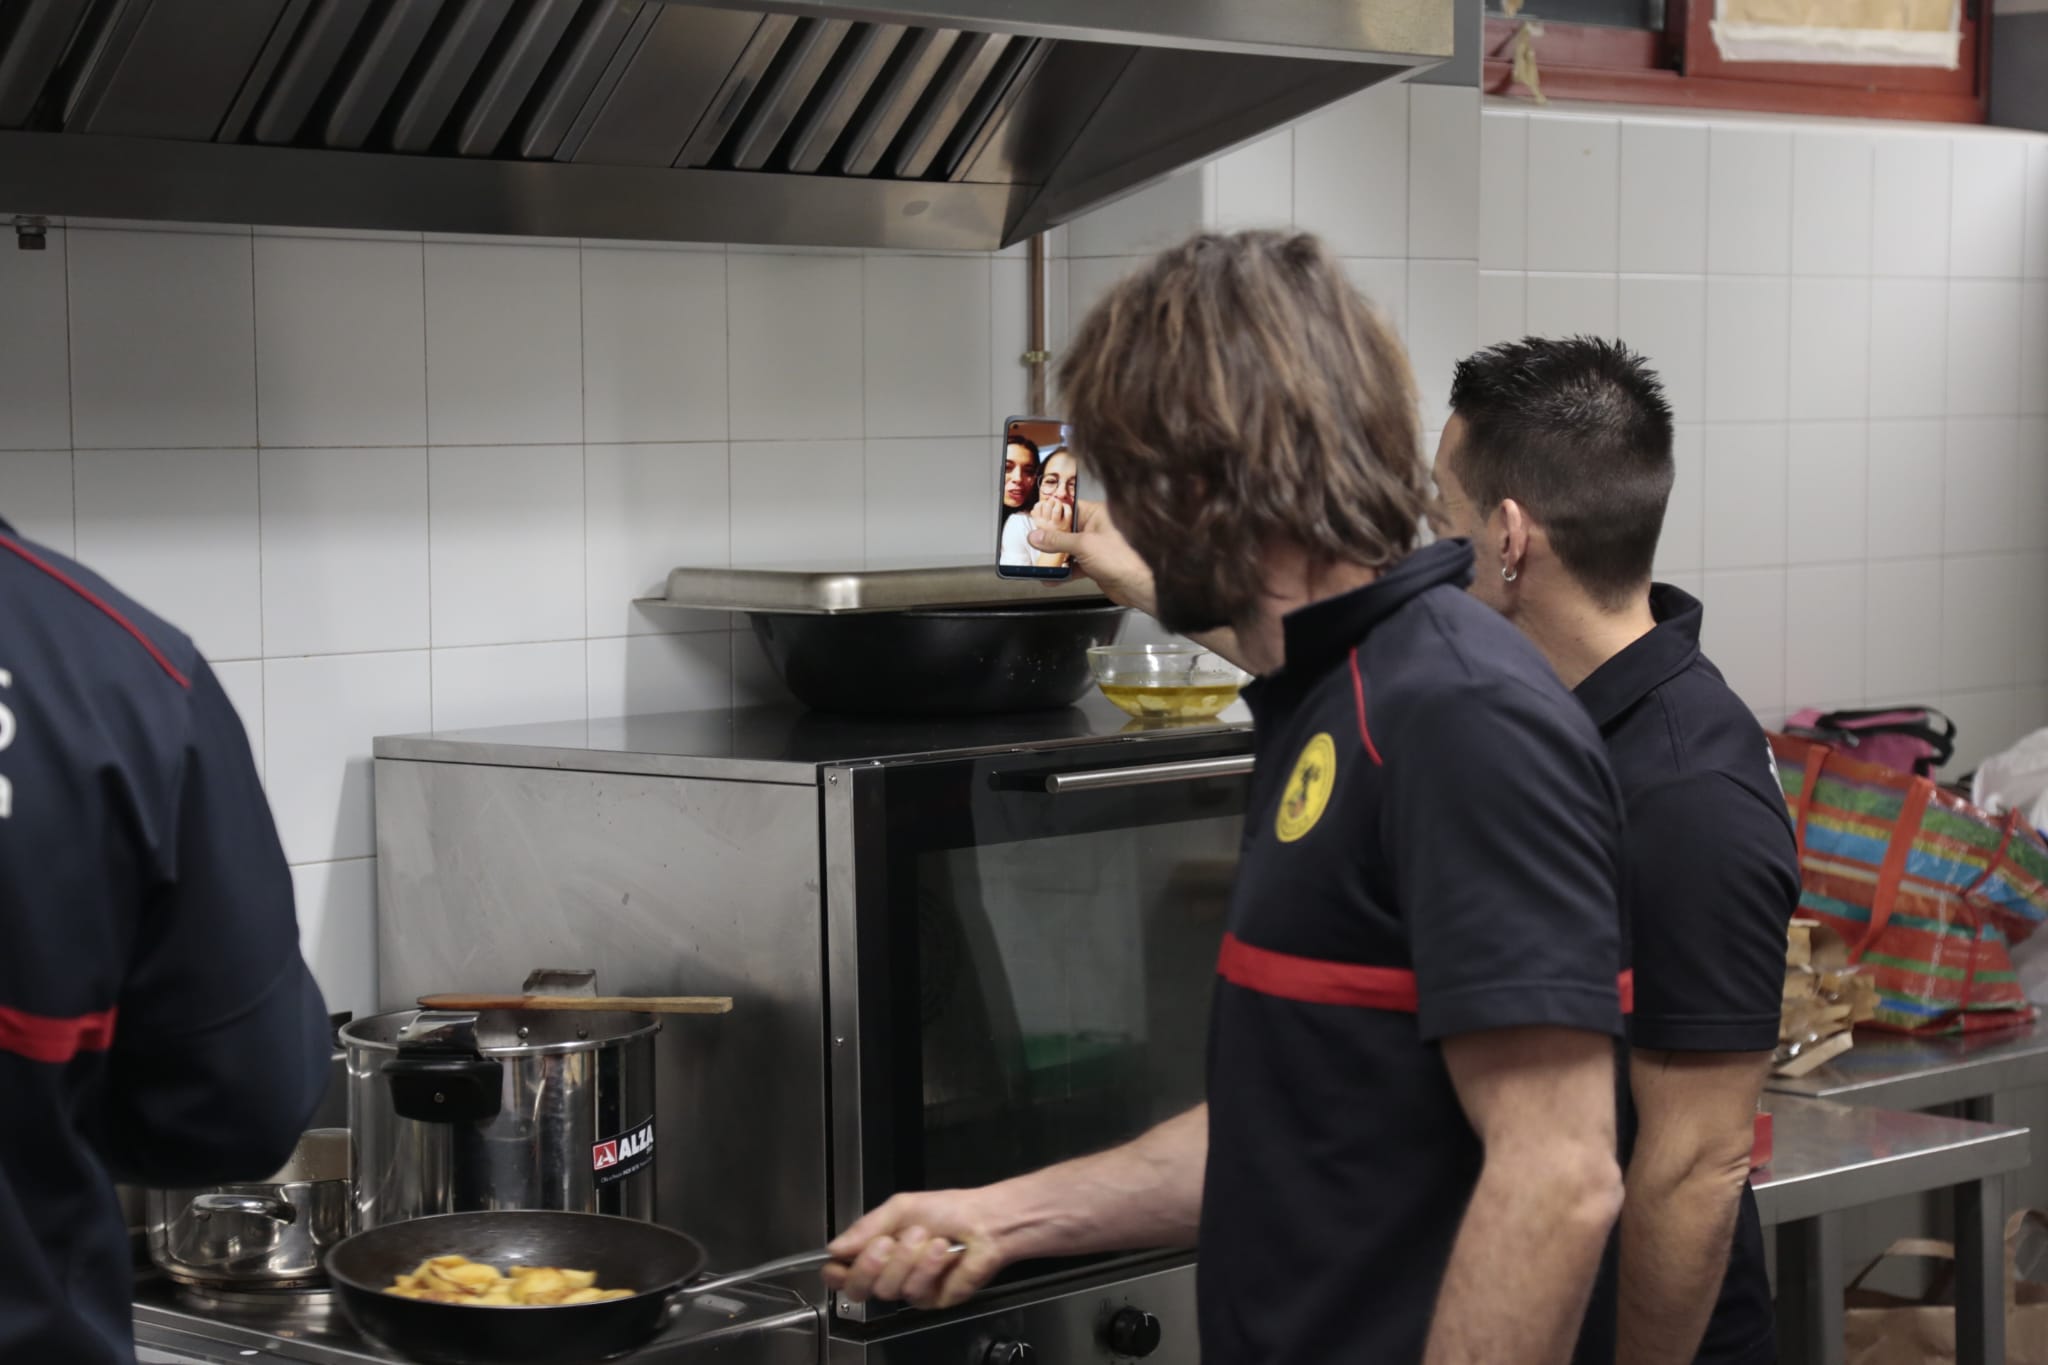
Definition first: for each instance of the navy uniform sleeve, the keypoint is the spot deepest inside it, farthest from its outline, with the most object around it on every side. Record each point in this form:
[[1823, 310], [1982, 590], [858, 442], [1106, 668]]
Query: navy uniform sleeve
[[1503, 825], [221, 1045], [1713, 879]]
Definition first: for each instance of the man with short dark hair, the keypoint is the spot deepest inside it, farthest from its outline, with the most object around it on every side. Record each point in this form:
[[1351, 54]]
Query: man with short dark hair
[[1557, 465], [1408, 1150]]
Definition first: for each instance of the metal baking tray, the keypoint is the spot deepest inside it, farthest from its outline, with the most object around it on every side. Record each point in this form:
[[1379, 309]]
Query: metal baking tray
[[817, 592]]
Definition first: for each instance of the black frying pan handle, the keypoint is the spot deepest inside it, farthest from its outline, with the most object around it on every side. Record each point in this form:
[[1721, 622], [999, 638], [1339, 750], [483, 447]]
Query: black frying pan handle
[[445, 1089]]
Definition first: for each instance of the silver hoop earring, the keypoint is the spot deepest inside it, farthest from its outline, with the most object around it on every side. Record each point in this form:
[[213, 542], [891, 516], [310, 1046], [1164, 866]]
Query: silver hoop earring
[[1508, 575]]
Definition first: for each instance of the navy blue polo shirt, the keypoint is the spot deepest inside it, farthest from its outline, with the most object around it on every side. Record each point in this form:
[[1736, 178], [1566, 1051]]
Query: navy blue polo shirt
[[1432, 849], [157, 1024], [1710, 880]]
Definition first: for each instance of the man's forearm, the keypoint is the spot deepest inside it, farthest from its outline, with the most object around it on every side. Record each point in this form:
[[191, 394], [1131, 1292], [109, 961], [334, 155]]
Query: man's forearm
[[1675, 1231], [1146, 1193], [1524, 1261]]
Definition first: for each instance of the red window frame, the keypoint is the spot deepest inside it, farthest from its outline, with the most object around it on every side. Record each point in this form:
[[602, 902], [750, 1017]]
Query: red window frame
[[1681, 66]]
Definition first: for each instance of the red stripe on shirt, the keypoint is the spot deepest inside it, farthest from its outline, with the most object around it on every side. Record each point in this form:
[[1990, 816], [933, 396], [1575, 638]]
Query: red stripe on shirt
[[1315, 981], [1358, 692], [106, 608], [41, 1038]]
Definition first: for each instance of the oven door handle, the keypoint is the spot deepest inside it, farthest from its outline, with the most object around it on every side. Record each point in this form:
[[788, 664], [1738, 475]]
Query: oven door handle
[[1148, 774]]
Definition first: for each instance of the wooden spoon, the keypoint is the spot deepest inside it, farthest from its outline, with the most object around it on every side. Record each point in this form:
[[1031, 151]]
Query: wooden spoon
[[635, 1004]]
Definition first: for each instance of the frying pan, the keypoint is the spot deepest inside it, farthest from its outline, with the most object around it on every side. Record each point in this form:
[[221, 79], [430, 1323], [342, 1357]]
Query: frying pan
[[655, 1262]]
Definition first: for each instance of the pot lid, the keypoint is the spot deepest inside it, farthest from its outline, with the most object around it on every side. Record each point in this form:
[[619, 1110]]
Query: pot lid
[[497, 1033], [816, 591]]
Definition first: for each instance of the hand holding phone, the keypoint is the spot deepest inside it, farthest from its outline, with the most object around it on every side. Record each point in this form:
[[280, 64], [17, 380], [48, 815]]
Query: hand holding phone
[[1040, 489]]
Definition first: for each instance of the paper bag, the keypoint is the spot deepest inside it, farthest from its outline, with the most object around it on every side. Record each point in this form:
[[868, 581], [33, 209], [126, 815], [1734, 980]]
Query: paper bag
[[1887, 1329]]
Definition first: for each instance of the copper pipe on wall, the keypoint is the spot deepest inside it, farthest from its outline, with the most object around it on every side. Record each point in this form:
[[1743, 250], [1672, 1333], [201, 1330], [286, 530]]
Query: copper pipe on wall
[[1036, 356]]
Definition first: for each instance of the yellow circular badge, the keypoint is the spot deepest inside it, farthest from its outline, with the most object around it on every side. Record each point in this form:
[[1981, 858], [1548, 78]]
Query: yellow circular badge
[[1308, 789]]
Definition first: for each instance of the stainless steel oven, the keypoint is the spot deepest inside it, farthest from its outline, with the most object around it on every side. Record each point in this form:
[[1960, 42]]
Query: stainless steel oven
[[958, 951]]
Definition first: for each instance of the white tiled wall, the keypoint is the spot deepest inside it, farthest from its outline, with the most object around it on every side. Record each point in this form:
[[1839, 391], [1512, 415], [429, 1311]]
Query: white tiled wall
[[1852, 321]]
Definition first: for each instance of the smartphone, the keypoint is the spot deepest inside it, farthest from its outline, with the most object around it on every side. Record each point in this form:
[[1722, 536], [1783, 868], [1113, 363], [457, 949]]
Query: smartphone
[[1039, 486]]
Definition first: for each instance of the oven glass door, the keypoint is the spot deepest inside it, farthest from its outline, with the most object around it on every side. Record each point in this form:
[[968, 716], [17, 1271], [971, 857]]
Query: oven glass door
[[1036, 949]]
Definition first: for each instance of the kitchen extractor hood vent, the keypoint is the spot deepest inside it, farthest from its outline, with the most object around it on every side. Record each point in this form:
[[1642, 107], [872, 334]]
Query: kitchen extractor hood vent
[[946, 123]]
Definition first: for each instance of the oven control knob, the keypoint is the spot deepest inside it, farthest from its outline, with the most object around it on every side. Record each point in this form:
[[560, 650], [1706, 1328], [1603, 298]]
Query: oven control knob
[[1132, 1332], [1008, 1353]]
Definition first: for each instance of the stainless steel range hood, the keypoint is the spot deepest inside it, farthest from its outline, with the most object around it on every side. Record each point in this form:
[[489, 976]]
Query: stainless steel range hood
[[915, 123]]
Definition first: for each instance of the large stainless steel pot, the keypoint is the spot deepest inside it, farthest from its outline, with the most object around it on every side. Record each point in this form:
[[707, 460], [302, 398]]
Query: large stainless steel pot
[[457, 1111], [266, 1234]]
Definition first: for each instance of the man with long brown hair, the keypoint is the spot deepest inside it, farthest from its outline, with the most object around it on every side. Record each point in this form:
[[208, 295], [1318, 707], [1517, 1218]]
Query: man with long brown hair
[[1409, 1149]]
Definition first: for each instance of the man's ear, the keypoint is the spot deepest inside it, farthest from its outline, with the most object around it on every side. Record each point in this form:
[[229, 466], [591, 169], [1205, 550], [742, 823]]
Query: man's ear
[[1511, 535]]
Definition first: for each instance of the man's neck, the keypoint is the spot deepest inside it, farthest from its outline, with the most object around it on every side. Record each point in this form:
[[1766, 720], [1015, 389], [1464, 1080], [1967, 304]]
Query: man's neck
[[1578, 635], [1291, 584]]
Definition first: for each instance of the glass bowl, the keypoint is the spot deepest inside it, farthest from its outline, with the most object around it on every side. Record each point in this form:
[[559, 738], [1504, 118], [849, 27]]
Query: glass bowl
[[1166, 682]]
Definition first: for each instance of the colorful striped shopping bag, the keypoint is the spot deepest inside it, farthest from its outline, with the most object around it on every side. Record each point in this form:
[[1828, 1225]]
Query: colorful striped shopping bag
[[1927, 889]]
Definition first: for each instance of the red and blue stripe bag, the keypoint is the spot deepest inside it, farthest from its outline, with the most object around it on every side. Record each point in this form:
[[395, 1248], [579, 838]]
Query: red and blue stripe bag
[[1927, 889]]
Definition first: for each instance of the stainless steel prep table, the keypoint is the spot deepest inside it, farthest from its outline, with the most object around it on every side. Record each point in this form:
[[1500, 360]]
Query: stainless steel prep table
[[1829, 1157], [1922, 1073]]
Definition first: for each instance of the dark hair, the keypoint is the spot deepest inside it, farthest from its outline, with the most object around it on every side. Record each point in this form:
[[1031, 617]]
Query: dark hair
[[1238, 392], [1576, 430], [1015, 440]]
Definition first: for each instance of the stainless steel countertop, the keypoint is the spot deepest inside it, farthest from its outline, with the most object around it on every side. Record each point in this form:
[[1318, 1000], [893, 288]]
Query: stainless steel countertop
[[1826, 1157], [790, 745], [1921, 1073]]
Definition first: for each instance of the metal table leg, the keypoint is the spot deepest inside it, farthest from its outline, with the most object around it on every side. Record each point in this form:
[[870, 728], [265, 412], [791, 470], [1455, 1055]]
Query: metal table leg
[[1980, 1272], [1810, 1291]]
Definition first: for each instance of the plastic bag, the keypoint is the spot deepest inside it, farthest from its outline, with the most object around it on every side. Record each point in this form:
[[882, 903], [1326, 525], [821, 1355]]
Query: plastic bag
[[2016, 780]]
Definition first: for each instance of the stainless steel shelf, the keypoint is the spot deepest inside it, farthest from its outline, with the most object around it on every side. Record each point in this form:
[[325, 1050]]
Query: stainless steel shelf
[[819, 592], [1829, 1157], [1922, 1073]]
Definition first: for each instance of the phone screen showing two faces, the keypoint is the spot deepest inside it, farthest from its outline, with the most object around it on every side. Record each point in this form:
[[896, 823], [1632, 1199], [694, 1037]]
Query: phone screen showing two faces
[[1039, 490]]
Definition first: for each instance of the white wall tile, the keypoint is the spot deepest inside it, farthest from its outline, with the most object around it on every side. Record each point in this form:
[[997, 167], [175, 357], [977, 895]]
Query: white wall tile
[[649, 509], [1574, 193], [1443, 317], [1385, 286], [1908, 348], [491, 685], [1831, 195], [1748, 324], [1987, 209], [1749, 202], [754, 682], [2030, 491], [1253, 186], [1830, 354], [242, 681], [1980, 600], [162, 340], [2030, 710], [1010, 330], [1680, 549], [344, 550], [1981, 475], [2036, 242], [507, 542], [504, 344], [1910, 198], [341, 350], [1139, 224], [1665, 319], [1351, 173], [1087, 280], [926, 320], [2031, 646], [1663, 198], [1984, 347], [35, 360], [2034, 347], [646, 675], [176, 530], [1905, 520], [35, 496], [1828, 470], [319, 716], [1503, 306], [337, 905], [933, 499], [1443, 171], [1984, 722], [796, 342], [1746, 478], [798, 504], [1824, 624], [1903, 600], [1504, 189], [654, 337], [1744, 634], [1572, 305]]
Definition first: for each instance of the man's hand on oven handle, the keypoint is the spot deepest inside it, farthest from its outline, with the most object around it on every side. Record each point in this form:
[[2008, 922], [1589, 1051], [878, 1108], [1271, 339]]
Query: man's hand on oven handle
[[1146, 1193]]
